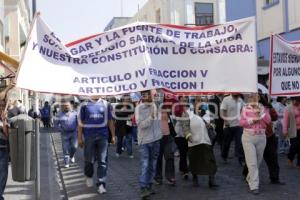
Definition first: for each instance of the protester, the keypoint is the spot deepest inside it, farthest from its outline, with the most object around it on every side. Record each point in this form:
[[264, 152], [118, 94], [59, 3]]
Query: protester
[[123, 113], [95, 118], [180, 140], [166, 151], [46, 114], [66, 123], [214, 109], [230, 112], [33, 113], [254, 119], [200, 151], [270, 153], [271, 150], [149, 135], [291, 129], [279, 106], [16, 108], [3, 148]]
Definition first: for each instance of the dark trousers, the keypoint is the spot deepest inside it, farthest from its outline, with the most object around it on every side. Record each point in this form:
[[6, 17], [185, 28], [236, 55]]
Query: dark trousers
[[231, 133], [166, 151], [3, 170], [95, 149], [271, 157], [295, 148], [219, 130], [128, 143], [182, 145]]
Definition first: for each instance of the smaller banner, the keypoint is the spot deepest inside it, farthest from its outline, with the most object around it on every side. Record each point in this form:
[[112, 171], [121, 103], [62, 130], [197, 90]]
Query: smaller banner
[[284, 67]]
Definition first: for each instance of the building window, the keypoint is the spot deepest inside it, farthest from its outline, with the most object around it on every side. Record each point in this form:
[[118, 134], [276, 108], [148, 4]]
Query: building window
[[204, 14], [157, 16], [270, 3]]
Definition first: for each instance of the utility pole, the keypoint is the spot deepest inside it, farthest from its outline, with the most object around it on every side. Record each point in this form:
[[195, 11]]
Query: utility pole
[[37, 133]]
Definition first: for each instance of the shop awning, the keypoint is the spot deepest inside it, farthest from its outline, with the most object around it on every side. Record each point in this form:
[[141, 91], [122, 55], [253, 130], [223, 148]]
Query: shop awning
[[9, 60]]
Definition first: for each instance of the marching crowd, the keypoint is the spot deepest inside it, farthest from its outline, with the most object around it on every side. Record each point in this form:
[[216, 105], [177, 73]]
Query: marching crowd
[[163, 124]]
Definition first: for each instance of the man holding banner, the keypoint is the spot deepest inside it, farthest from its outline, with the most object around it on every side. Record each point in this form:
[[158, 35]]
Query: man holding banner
[[149, 135]]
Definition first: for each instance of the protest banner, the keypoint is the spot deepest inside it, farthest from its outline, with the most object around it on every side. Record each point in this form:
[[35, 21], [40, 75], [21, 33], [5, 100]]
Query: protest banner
[[284, 73], [142, 56]]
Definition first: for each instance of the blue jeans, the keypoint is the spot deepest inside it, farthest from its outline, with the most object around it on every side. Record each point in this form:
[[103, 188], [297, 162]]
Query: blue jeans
[[69, 144], [134, 133], [149, 154], [128, 144], [3, 170], [95, 149]]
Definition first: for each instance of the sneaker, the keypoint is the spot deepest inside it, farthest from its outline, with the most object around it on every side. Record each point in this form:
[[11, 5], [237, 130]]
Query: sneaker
[[157, 181], [101, 189], [171, 182], [255, 192], [67, 165], [117, 155], [131, 157], [89, 182], [145, 194], [72, 159], [185, 176]]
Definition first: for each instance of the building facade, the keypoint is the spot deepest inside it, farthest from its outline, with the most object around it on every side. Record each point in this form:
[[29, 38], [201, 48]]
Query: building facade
[[14, 29], [117, 22], [182, 12], [273, 16]]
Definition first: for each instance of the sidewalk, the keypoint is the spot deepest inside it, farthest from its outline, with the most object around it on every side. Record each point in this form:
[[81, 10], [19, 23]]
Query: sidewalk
[[50, 181]]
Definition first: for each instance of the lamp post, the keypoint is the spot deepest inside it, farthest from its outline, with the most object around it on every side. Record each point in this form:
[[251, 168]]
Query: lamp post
[[37, 133]]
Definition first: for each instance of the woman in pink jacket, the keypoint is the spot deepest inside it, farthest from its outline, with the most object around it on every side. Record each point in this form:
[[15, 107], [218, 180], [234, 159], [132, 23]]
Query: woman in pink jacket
[[254, 120]]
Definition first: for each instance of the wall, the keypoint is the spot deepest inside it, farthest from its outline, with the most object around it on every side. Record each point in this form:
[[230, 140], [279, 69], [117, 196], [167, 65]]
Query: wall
[[294, 14], [237, 9], [270, 20], [178, 12]]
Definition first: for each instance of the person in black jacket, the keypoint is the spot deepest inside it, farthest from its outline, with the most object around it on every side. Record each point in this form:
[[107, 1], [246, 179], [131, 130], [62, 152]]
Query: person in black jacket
[[123, 112], [214, 108]]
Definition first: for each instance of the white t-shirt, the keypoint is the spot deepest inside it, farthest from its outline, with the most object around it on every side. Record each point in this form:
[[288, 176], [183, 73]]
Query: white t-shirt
[[233, 109], [198, 130]]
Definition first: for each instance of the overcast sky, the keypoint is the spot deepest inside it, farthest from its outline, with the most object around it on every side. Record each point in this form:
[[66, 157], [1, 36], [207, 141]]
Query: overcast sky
[[74, 19]]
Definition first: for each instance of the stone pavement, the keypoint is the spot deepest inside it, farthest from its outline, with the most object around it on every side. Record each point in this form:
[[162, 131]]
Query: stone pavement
[[51, 187], [123, 184]]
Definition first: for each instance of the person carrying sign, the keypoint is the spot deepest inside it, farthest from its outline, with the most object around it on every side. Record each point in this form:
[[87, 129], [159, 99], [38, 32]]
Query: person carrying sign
[[95, 118], [149, 135]]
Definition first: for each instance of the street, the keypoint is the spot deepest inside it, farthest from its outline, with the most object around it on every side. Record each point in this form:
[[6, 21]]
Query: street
[[123, 174]]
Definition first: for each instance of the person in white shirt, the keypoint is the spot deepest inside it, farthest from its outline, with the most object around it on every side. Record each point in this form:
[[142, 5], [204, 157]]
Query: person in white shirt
[[200, 151], [230, 111]]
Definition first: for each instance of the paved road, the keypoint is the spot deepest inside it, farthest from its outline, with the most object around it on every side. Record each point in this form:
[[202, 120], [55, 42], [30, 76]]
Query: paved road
[[124, 172]]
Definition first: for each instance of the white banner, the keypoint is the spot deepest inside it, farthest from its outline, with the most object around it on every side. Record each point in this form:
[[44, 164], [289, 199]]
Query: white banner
[[212, 59], [284, 67]]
